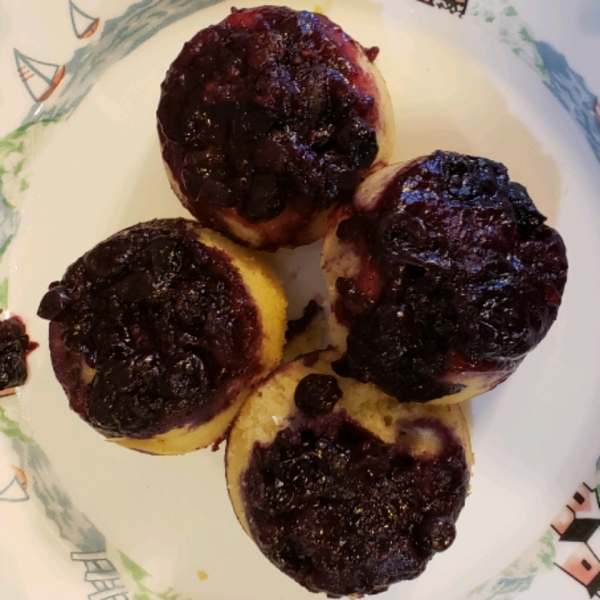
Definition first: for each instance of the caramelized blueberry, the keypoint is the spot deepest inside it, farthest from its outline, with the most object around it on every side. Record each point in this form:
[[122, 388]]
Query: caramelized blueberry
[[436, 533], [55, 300], [317, 394], [106, 262]]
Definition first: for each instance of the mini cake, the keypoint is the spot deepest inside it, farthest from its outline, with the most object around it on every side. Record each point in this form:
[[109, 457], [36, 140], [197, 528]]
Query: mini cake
[[15, 345], [158, 334], [268, 119], [442, 277], [341, 487]]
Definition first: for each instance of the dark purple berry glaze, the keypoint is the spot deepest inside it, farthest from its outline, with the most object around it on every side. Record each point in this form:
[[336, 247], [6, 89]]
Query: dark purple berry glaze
[[165, 322], [265, 112], [470, 277], [342, 512], [15, 345]]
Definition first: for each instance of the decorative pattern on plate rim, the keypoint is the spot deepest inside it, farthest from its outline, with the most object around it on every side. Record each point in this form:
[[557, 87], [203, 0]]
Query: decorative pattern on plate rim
[[101, 573], [84, 25], [458, 7], [577, 527], [59, 89]]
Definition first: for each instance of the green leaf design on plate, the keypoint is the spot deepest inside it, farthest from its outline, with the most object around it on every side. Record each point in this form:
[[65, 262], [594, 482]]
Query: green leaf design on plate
[[4, 293], [137, 572], [506, 25], [519, 575], [11, 428], [547, 552], [16, 151], [142, 591], [5, 244]]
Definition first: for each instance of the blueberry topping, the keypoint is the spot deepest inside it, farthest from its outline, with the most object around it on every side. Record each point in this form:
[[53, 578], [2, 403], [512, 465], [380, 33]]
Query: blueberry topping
[[162, 322], [267, 111], [471, 277], [342, 512]]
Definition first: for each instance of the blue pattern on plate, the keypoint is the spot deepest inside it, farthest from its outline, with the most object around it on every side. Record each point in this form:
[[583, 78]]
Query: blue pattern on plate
[[572, 92], [120, 36]]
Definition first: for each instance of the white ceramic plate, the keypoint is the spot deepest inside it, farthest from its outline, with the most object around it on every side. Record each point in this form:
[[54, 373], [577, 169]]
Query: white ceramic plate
[[83, 518]]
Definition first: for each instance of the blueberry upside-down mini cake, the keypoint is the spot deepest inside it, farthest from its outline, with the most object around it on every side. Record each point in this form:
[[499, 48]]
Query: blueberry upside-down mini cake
[[341, 487], [442, 277], [268, 119], [158, 334]]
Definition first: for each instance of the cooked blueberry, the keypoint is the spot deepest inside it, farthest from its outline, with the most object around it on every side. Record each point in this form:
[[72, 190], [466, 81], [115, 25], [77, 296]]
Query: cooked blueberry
[[317, 394], [356, 138], [166, 256], [215, 192], [107, 262], [55, 300], [133, 287], [186, 378], [355, 301], [528, 216], [263, 202], [436, 533]]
